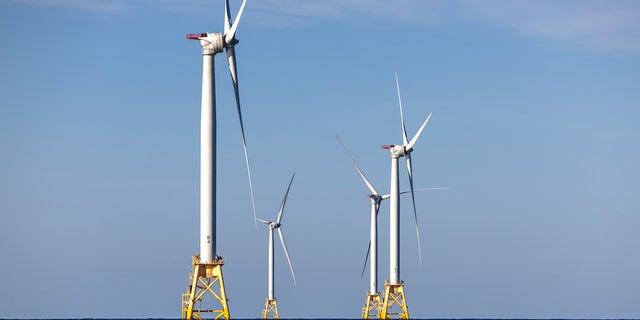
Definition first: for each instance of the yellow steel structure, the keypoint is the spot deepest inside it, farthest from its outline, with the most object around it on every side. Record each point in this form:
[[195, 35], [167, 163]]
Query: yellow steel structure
[[372, 306], [205, 297], [270, 310], [394, 305]]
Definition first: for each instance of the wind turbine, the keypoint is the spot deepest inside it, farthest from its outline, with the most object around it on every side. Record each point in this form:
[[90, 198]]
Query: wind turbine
[[394, 287], [372, 305], [207, 265], [271, 307]]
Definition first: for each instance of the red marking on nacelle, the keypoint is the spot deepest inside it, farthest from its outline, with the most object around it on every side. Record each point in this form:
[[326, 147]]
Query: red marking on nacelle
[[387, 146], [196, 36]]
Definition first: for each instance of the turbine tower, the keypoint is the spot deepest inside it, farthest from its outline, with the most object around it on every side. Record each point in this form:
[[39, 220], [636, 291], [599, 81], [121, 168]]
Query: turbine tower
[[394, 287], [372, 307], [270, 310], [206, 276]]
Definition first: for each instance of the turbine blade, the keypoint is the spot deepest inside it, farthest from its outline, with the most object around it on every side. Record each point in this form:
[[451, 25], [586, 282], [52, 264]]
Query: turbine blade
[[366, 181], [366, 258], [415, 138], [413, 200], [231, 33], [404, 130], [227, 17], [263, 221], [284, 200], [286, 252], [369, 248], [409, 171], [422, 189], [387, 196], [231, 58]]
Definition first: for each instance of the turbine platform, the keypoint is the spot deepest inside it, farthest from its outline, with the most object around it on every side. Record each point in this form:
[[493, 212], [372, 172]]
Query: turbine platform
[[372, 306], [394, 305], [270, 310], [205, 297]]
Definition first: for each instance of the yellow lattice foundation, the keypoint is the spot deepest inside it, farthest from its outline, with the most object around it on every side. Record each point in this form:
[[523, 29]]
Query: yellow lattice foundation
[[394, 305], [205, 297], [270, 310], [372, 306]]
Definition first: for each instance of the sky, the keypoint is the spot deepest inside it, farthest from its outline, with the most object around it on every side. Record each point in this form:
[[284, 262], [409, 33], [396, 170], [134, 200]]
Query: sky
[[534, 128]]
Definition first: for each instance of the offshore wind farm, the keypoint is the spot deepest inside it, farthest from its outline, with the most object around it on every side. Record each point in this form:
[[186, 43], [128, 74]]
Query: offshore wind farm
[[532, 125], [206, 295]]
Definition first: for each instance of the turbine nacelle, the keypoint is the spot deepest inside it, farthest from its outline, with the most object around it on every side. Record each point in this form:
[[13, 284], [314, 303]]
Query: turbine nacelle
[[272, 224], [376, 197], [397, 151], [212, 42]]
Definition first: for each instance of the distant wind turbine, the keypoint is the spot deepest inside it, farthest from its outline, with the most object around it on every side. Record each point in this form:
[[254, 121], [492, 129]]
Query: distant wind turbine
[[271, 307]]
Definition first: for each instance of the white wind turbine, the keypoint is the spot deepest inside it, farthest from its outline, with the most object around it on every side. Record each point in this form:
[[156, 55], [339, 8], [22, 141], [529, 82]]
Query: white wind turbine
[[376, 199], [213, 43], [397, 151], [271, 305]]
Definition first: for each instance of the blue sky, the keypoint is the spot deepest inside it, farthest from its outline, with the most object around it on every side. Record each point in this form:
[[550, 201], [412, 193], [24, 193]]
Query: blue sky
[[534, 126]]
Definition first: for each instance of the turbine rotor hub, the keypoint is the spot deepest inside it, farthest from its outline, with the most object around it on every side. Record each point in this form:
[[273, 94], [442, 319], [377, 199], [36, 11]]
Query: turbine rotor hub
[[231, 43]]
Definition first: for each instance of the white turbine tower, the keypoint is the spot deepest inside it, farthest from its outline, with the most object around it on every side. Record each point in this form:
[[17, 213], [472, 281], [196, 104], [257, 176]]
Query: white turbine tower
[[372, 304], [394, 288], [271, 307], [207, 265]]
